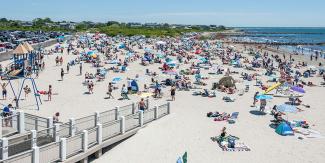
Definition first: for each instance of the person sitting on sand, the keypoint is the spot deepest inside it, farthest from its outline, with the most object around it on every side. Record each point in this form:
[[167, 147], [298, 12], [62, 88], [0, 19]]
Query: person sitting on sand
[[145, 88], [124, 92], [6, 114], [56, 117], [223, 133]]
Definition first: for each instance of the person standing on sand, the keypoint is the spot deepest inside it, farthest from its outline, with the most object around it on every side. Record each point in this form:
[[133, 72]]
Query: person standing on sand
[[62, 74], [49, 93], [110, 90], [80, 68], [173, 92], [91, 87], [262, 105], [254, 98], [68, 67], [4, 91], [142, 105]]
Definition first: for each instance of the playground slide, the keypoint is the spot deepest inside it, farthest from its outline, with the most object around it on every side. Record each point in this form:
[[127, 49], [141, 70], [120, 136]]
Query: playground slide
[[15, 72], [272, 87]]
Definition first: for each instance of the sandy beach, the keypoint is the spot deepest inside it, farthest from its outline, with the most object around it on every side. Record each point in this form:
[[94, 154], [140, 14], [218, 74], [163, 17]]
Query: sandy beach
[[187, 128]]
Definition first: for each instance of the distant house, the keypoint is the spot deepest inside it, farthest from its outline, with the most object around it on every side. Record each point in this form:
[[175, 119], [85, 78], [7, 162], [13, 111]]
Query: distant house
[[134, 24], [67, 25], [213, 26], [26, 24], [51, 25], [151, 25]]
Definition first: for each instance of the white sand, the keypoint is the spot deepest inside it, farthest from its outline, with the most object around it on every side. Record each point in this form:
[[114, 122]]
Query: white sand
[[187, 128]]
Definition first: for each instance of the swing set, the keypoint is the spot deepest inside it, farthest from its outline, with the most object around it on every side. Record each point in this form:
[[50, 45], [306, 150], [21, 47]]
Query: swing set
[[17, 98]]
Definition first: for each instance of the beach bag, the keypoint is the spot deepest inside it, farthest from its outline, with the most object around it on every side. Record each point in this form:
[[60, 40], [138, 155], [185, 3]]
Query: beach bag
[[209, 114], [231, 143]]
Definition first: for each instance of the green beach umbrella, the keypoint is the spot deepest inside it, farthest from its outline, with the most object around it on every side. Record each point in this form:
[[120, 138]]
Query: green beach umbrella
[[185, 157]]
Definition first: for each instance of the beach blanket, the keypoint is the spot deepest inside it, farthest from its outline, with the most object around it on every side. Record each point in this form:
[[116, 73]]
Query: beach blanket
[[240, 146], [223, 144], [307, 133]]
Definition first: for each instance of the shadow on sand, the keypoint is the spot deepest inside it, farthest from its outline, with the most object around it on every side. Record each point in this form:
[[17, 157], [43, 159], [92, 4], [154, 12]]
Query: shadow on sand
[[257, 112]]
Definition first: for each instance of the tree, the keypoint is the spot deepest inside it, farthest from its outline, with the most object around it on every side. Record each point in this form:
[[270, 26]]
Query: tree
[[3, 20], [222, 27], [47, 20], [109, 23]]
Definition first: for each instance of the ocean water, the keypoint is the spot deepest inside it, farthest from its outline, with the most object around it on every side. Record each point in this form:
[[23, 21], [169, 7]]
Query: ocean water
[[286, 34]]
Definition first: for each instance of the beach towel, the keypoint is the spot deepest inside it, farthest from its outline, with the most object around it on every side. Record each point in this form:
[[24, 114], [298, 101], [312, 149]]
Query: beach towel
[[239, 146]]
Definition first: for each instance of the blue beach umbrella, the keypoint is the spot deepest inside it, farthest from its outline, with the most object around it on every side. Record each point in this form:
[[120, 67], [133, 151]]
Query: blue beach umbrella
[[263, 97], [113, 62], [117, 79], [90, 53], [298, 89]]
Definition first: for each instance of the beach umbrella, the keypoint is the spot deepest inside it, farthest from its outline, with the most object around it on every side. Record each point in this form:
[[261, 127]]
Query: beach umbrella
[[117, 79], [113, 62], [263, 97], [171, 63], [285, 108], [227, 81], [161, 43], [147, 50], [170, 72], [90, 53], [298, 89], [160, 55], [312, 67]]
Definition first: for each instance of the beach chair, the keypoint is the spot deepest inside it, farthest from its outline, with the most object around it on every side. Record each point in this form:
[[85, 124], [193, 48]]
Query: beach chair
[[233, 118], [125, 96], [246, 88]]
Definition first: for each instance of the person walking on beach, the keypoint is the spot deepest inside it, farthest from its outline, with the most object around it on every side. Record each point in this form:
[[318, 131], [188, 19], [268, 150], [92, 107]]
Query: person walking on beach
[[142, 105], [62, 74], [262, 105], [80, 68], [254, 98], [110, 90], [49, 93], [173, 92], [68, 68], [61, 61], [91, 87], [4, 91]]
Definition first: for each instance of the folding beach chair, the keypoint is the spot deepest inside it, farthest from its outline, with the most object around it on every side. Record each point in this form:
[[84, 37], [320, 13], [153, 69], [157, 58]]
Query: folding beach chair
[[233, 117]]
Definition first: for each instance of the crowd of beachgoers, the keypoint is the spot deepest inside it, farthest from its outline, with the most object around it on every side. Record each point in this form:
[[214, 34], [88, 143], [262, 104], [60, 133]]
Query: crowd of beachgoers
[[224, 82]]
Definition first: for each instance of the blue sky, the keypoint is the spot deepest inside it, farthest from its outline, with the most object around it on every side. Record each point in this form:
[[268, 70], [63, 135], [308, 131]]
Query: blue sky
[[294, 13]]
